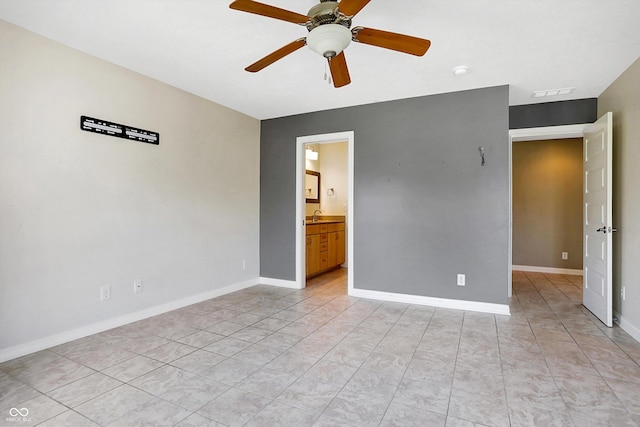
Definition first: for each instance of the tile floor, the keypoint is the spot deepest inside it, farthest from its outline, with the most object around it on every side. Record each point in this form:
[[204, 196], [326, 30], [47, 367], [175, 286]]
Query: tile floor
[[269, 356]]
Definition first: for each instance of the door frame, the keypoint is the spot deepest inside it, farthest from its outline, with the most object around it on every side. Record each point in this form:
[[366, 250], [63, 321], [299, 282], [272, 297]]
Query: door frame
[[534, 134], [301, 142]]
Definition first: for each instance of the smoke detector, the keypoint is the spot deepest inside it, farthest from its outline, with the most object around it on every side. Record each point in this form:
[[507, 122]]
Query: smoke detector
[[460, 70]]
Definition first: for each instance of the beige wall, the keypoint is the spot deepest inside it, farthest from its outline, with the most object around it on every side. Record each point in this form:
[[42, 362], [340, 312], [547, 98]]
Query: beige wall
[[547, 203], [623, 99], [334, 175], [313, 165], [332, 165], [79, 210]]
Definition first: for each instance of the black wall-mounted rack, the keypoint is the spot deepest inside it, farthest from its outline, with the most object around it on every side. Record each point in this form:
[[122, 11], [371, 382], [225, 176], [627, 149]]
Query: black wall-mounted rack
[[105, 127]]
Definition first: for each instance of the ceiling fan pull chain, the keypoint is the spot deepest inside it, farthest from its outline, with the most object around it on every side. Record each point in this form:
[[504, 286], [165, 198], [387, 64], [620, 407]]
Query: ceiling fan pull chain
[[327, 76]]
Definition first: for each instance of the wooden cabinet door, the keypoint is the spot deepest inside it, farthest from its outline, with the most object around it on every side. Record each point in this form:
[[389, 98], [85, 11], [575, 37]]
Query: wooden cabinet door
[[313, 254], [340, 247], [336, 248], [332, 251], [324, 260]]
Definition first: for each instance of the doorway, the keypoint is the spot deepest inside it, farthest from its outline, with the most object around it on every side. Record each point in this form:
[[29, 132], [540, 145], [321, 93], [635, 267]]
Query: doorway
[[597, 204], [301, 205], [548, 206], [534, 134]]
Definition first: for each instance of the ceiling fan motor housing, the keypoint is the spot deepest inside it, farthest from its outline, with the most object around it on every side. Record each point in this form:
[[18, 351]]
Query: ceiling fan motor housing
[[329, 32], [325, 13]]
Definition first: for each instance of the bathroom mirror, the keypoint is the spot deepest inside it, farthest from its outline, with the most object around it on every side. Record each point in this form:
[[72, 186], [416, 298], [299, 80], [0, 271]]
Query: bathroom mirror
[[312, 186]]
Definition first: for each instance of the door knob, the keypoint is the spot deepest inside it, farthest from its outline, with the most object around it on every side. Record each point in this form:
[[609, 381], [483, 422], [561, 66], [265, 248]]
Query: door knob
[[607, 230]]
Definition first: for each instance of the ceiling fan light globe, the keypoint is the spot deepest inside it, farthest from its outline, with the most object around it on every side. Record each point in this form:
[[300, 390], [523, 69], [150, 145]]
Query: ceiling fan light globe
[[329, 40]]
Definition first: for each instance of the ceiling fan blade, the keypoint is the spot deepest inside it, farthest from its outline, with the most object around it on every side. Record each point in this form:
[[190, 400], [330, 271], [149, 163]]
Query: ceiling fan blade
[[269, 11], [393, 41], [351, 7], [339, 70], [278, 54]]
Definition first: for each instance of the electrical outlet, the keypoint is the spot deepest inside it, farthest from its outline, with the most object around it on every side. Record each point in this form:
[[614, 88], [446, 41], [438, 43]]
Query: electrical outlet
[[461, 280], [565, 255], [623, 294], [137, 286], [105, 293]]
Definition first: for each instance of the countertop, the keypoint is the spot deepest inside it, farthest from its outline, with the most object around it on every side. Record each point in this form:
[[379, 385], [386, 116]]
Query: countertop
[[325, 220]]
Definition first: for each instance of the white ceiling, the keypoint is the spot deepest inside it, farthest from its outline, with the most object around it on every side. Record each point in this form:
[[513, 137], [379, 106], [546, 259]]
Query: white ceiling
[[202, 46]]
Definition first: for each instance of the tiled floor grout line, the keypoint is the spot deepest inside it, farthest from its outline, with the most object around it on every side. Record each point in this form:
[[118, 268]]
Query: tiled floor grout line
[[546, 362], [455, 366], [407, 367], [504, 382], [594, 367], [544, 305], [554, 377], [359, 367], [320, 359], [164, 365]]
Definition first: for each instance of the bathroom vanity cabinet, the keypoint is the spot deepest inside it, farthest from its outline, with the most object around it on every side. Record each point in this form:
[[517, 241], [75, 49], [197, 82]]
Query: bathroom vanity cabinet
[[325, 246]]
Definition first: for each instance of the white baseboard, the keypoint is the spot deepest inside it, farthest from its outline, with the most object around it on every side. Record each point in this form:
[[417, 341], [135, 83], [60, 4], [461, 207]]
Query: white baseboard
[[483, 307], [628, 327], [94, 328], [550, 270], [291, 284]]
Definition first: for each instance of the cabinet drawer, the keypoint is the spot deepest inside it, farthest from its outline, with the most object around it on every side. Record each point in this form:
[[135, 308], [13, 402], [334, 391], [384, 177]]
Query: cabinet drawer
[[324, 246], [336, 226], [324, 260], [313, 229], [323, 228], [324, 237]]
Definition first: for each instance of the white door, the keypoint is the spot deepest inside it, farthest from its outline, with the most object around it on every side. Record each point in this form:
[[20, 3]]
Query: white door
[[598, 230]]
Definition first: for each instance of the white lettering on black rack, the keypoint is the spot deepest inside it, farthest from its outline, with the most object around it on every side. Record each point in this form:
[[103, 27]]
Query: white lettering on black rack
[[105, 127]]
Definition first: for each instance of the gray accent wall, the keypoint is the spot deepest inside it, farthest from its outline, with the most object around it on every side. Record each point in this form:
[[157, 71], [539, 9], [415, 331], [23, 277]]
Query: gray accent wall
[[425, 209], [575, 111]]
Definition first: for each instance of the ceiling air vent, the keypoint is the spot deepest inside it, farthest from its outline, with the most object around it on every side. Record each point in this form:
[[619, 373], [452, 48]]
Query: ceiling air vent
[[552, 92]]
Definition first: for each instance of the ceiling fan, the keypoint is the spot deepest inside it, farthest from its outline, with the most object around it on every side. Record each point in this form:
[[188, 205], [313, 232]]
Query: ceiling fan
[[330, 32]]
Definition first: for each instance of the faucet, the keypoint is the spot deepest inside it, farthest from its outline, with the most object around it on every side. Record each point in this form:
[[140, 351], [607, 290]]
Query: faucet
[[314, 218]]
